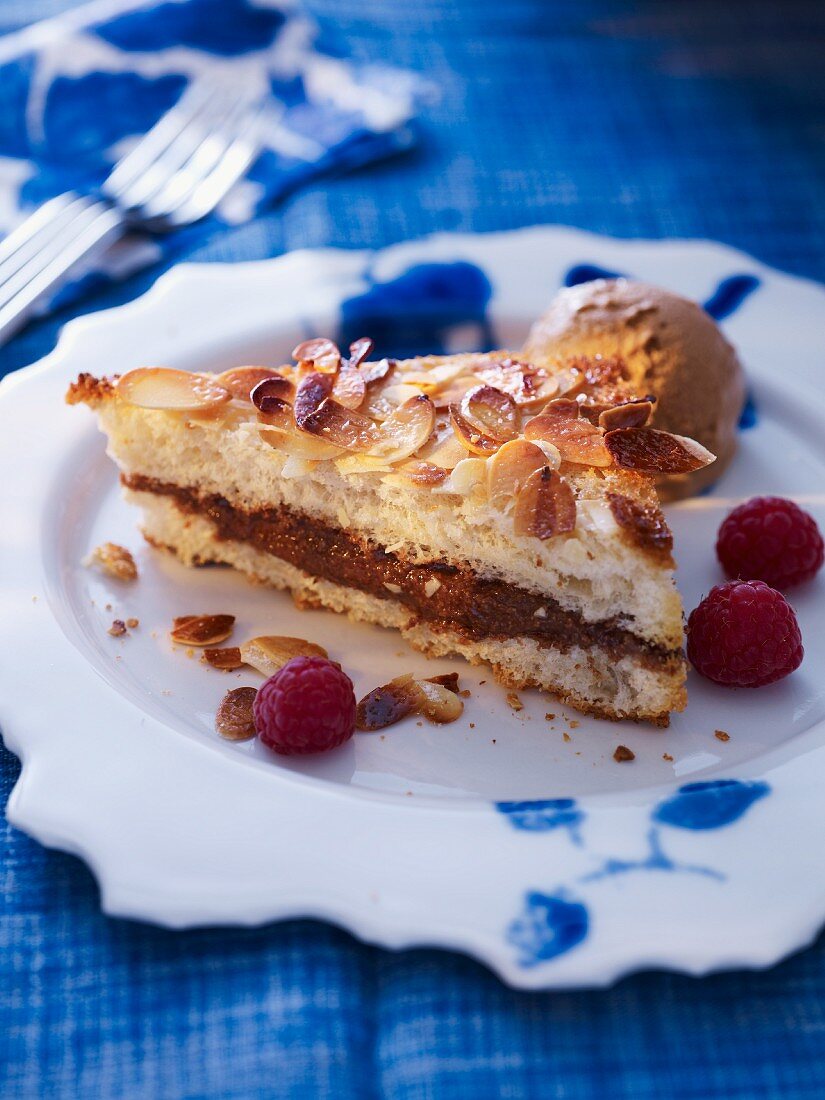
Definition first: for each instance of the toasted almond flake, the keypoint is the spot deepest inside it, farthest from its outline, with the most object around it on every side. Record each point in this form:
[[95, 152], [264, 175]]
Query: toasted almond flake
[[644, 523], [235, 719], [272, 394], [399, 392], [350, 389], [296, 467], [321, 352], [468, 476], [577, 439], [470, 436], [448, 680], [202, 630], [651, 451], [453, 393], [439, 704], [114, 560], [313, 390], [226, 659], [378, 371], [545, 506], [432, 586], [360, 464], [388, 704], [299, 445], [241, 381], [346, 428], [445, 451], [633, 414], [492, 411], [359, 350], [551, 453], [172, 390], [271, 652], [435, 379], [423, 473], [396, 589], [510, 468], [405, 430], [514, 702]]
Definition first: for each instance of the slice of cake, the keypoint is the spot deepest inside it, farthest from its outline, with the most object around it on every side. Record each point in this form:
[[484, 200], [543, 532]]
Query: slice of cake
[[477, 504]]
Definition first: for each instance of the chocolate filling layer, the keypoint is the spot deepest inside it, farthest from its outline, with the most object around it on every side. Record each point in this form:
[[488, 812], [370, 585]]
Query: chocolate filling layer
[[471, 606]]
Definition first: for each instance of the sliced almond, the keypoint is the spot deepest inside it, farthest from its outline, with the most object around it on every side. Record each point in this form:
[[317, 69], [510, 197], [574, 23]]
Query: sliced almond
[[312, 391], [346, 428], [173, 390], [388, 704], [470, 436], [359, 350], [321, 352], [650, 451], [235, 719], [271, 652], [545, 506], [468, 475], [273, 393], [453, 392], [493, 411], [241, 381], [423, 473], [202, 630], [373, 373], [509, 469], [633, 414], [577, 439], [527, 385], [298, 444], [406, 430], [439, 704], [436, 378], [350, 389], [226, 659], [445, 450], [644, 523], [448, 680]]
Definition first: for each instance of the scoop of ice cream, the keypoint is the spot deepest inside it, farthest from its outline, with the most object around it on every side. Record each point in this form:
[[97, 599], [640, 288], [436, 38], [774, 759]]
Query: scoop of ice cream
[[671, 348]]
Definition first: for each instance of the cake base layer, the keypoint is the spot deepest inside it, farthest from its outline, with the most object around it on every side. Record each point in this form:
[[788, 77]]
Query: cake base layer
[[609, 674]]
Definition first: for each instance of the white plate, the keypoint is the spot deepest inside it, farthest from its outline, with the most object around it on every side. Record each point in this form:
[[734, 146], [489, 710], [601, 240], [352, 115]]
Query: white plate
[[420, 836]]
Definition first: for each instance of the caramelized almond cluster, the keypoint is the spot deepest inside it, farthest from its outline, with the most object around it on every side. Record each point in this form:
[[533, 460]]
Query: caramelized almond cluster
[[486, 420]]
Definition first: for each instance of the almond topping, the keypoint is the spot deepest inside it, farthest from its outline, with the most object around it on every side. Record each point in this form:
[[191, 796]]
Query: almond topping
[[645, 524], [359, 350], [376, 372], [241, 381], [350, 389], [545, 506], [313, 390], [527, 385], [654, 452], [448, 680], [322, 353], [115, 560], [202, 630], [173, 390], [346, 428], [269, 653], [510, 468], [273, 393], [388, 704], [493, 411], [445, 452], [405, 430], [423, 473], [454, 392], [577, 439], [227, 660], [235, 718], [470, 436], [298, 444], [633, 414]]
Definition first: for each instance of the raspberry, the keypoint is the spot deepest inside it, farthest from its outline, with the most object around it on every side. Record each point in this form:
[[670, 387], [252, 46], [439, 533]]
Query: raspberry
[[771, 540], [307, 706], [744, 634]]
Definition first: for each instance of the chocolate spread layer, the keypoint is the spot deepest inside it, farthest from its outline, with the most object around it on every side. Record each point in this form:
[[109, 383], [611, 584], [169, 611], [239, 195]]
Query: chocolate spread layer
[[471, 606]]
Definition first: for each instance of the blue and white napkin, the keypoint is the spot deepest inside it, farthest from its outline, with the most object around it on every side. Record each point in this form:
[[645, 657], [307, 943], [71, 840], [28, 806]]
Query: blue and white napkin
[[77, 91]]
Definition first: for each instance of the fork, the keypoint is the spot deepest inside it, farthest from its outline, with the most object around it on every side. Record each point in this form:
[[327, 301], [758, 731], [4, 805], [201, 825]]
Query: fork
[[175, 175]]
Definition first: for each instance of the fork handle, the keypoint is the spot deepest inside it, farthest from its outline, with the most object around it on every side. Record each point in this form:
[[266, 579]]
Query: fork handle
[[103, 225]]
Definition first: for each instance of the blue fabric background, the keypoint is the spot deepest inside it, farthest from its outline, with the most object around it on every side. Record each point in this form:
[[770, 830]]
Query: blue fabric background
[[649, 119]]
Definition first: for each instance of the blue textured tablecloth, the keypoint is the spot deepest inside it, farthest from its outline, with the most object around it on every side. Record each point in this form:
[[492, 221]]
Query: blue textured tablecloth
[[692, 119]]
